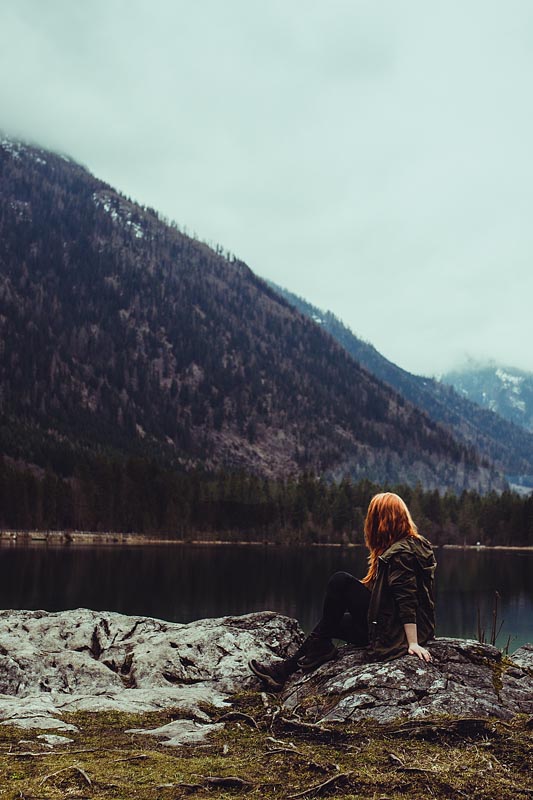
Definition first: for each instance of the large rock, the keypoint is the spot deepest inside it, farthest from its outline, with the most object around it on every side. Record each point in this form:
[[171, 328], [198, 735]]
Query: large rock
[[89, 660], [464, 678]]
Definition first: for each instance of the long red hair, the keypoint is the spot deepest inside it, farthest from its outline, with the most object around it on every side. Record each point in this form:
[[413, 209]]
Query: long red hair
[[387, 521]]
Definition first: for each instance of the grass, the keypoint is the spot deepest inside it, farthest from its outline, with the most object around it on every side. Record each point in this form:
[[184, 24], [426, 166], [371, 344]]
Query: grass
[[443, 758]]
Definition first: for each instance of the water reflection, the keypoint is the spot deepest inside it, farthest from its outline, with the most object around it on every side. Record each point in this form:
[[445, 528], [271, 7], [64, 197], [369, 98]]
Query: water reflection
[[186, 583]]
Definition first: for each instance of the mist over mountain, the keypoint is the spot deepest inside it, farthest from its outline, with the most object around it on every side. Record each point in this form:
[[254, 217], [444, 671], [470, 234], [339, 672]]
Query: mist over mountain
[[484, 412], [505, 390], [121, 334]]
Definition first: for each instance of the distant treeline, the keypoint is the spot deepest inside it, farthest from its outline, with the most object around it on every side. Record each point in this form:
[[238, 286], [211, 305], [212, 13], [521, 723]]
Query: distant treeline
[[140, 496]]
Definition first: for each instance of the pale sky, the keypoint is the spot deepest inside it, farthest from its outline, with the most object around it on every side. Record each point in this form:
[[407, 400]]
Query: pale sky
[[374, 157]]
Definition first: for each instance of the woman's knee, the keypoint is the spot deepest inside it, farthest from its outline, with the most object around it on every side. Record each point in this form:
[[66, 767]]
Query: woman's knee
[[339, 581]]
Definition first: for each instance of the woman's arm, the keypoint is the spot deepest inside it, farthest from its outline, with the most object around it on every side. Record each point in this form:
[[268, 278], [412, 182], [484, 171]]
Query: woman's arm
[[412, 640], [402, 582]]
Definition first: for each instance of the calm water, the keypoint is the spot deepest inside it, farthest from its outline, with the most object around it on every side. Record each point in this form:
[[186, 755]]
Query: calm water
[[190, 582]]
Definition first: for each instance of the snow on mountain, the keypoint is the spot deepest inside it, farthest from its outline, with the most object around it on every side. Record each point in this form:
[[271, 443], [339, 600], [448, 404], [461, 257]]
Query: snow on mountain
[[118, 210], [506, 390]]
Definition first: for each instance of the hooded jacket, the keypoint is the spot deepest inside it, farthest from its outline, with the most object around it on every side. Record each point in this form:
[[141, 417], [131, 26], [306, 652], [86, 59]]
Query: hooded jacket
[[402, 593]]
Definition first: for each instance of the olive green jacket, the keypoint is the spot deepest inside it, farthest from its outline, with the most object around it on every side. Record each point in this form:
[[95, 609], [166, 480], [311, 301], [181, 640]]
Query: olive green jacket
[[402, 593]]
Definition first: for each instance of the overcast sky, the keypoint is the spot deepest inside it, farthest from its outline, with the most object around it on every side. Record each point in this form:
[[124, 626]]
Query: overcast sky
[[374, 157]]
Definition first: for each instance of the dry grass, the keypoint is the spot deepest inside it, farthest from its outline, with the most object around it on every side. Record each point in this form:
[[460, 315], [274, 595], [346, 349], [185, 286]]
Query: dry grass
[[445, 758]]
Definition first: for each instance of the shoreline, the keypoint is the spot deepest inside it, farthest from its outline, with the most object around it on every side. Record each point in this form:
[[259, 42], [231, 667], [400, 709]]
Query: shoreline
[[514, 548], [110, 539]]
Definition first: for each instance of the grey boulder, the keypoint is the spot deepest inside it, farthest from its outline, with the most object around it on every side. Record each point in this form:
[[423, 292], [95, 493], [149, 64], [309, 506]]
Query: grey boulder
[[464, 678], [99, 661]]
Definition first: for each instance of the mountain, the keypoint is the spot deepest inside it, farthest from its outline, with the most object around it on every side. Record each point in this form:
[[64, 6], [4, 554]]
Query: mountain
[[494, 435], [506, 390], [121, 334]]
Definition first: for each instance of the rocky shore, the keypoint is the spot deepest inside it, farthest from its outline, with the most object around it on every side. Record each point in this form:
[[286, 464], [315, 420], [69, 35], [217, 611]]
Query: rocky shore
[[85, 660]]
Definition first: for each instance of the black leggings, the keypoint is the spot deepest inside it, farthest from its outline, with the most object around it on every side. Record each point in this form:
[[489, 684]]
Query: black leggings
[[344, 615]]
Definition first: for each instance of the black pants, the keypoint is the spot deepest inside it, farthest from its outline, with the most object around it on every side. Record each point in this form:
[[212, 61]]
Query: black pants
[[345, 610]]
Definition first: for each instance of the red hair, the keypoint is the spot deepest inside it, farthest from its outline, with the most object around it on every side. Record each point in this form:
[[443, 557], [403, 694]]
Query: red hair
[[387, 521]]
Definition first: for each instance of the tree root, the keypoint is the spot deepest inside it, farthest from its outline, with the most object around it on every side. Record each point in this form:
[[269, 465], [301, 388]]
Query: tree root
[[232, 715], [79, 770], [319, 787]]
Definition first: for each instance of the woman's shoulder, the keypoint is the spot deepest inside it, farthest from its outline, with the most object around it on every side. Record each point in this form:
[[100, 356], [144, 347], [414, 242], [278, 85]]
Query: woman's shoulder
[[417, 546]]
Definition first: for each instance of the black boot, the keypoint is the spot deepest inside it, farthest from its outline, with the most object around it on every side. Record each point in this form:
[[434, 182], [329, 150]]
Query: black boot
[[314, 651], [275, 673], [318, 651]]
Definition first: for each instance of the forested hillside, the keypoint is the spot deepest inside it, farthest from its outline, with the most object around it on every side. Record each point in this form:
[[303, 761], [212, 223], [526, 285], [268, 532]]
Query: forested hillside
[[492, 434], [120, 335]]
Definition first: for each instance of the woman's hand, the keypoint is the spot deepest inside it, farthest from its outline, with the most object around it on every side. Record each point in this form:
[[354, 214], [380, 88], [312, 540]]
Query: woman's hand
[[421, 652], [412, 640]]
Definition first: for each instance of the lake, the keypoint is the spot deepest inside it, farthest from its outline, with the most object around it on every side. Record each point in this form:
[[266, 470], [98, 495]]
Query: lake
[[187, 582]]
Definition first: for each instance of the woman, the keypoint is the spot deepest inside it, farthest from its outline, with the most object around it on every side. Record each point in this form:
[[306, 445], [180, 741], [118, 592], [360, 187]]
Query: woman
[[390, 611]]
